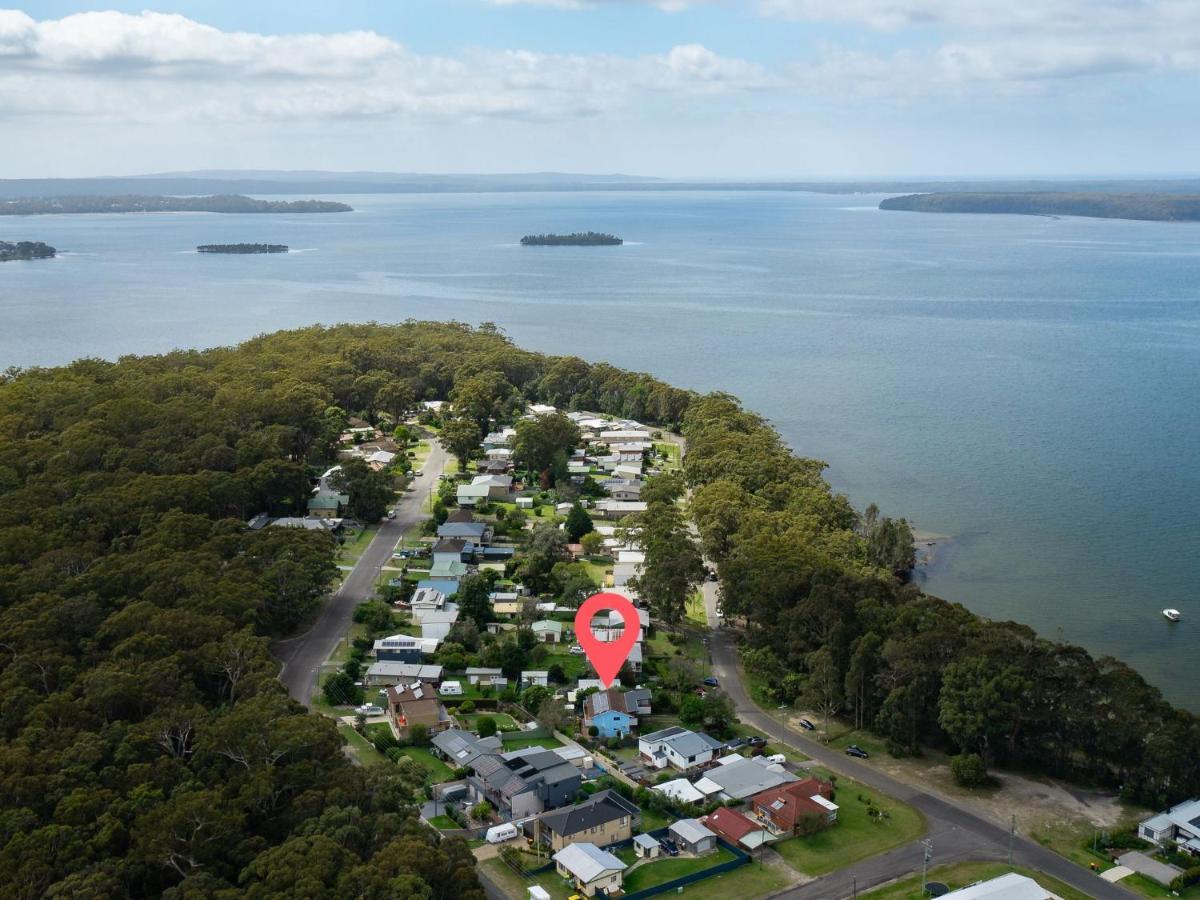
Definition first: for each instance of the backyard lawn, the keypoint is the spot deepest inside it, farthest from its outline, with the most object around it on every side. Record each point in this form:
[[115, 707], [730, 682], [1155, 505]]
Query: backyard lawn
[[443, 822], [520, 743], [960, 875], [669, 869], [513, 885], [856, 834], [438, 770], [470, 721], [748, 882], [363, 749]]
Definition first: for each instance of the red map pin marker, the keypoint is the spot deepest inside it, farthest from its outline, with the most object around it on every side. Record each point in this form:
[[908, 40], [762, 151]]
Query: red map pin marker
[[607, 656]]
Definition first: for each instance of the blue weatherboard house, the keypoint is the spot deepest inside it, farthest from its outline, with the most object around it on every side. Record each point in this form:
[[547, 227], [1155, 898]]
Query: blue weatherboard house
[[613, 712]]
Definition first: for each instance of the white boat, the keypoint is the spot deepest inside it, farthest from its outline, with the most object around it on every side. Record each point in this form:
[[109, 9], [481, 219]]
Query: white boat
[[1173, 615]]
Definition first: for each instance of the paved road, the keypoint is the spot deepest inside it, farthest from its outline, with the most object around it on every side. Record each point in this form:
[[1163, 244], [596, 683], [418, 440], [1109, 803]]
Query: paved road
[[956, 832], [302, 655]]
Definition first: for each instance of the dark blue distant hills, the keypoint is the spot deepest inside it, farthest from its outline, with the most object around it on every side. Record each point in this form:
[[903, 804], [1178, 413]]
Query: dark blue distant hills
[[265, 181]]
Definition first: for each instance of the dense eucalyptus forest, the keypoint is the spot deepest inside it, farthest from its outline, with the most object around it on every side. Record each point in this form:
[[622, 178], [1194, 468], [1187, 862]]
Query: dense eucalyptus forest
[[147, 748]]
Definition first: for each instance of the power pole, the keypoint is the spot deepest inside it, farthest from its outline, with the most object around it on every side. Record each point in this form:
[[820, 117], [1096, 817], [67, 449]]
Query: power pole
[[1012, 832], [928, 845]]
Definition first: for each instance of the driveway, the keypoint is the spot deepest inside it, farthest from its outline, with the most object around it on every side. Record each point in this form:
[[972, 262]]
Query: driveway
[[1151, 868], [956, 832], [303, 654]]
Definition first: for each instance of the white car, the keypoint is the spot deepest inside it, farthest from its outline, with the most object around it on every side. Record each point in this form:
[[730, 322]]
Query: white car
[[369, 710], [575, 649], [419, 473]]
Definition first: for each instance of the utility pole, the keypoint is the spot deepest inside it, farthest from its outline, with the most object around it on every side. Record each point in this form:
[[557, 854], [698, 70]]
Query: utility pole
[[928, 845], [1012, 832], [855, 888]]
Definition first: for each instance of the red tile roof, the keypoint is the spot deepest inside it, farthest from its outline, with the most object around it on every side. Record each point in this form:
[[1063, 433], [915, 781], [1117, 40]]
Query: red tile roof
[[730, 824], [784, 805]]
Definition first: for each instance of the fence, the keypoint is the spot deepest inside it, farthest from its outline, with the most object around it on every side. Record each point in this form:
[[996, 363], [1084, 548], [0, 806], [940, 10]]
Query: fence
[[741, 857]]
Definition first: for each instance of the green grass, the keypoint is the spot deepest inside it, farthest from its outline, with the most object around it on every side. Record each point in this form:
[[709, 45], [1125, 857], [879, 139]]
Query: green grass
[[748, 882], [960, 875], [665, 870], [856, 834], [363, 750], [521, 743], [595, 570], [652, 820], [438, 770], [443, 822], [516, 887], [358, 542], [696, 613], [504, 721]]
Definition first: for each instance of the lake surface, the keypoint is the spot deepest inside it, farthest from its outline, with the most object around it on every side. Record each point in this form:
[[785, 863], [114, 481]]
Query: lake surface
[[1028, 386]]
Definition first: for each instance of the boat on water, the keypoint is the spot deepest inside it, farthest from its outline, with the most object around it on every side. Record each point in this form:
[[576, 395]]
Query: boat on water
[[1172, 615]]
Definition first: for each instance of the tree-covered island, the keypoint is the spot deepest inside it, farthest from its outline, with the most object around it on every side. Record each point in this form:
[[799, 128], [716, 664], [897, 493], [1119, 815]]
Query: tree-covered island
[[575, 239], [25, 250], [242, 248], [130, 203], [1156, 207]]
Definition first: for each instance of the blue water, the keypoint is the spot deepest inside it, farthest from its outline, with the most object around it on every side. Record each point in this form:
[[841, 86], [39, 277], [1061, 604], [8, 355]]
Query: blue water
[[1029, 387]]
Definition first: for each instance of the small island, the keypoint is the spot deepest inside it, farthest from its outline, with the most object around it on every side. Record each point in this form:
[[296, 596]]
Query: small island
[[131, 203], [1151, 207], [242, 248], [575, 239], [25, 250]]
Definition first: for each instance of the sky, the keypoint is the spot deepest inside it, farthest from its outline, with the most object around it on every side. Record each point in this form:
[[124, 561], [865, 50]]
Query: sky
[[674, 88]]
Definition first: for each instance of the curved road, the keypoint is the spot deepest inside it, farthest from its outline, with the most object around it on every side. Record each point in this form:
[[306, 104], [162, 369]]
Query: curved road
[[302, 655], [956, 833]]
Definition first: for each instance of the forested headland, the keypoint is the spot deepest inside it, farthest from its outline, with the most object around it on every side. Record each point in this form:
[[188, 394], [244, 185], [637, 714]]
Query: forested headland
[[134, 203], [575, 239], [147, 747], [10, 250], [1159, 207]]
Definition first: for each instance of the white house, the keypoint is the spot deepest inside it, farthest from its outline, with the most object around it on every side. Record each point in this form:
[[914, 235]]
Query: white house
[[591, 869], [1179, 825], [532, 677], [1006, 887], [681, 790], [678, 747]]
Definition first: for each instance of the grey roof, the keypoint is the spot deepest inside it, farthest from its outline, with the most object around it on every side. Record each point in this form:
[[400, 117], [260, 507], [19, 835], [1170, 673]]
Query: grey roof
[[684, 742], [1011, 886], [405, 670], [645, 840], [743, 779], [461, 747], [587, 862], [1184, 815], [449, 545], [473, 530], [690, 830], [597, 810]]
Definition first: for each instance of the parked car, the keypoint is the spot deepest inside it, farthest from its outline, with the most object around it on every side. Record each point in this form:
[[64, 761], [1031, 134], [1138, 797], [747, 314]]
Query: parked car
[[369, 710], [857, 752], [575, 649], [391, 514], [757, 741], [735, 743], [711, 682], [807, 725]]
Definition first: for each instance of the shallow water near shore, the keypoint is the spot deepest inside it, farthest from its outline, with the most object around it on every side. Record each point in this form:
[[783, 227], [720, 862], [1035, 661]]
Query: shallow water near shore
[[1029, 387]]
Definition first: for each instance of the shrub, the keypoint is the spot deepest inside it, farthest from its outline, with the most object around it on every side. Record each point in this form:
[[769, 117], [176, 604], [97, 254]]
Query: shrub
[[593, 731], [969, 770], [1187, 879], [486, 726], [466, 707]]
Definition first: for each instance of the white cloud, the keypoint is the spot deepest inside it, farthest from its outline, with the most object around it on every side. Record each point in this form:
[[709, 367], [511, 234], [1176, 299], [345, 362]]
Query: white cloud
[[159, 66]]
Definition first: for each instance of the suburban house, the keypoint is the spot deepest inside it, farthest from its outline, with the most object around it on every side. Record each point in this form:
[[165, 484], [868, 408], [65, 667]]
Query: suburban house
[[524, 782], [678, 747], [603, 819], [399, 648], [449, 550], [416, 704], [692, 837], [461, 748], [590, 869], [547, 631], [738, 777], [385, 673], [618, 509], [427, 599], [1179, 825], [323, 505], [476, 533], [448, 569], [500, 438], [472, 494], [624, 489], [1006, 887], [485, 487], [615, 713], [506, 603], [477, 675], [737, 829], [532, 677], [681, 790], [436, 623], [799, 807]]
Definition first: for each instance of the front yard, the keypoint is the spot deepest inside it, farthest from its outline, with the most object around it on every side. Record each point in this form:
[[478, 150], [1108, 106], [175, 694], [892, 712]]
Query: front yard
[[960, 875], [857, 834], [670, 868]]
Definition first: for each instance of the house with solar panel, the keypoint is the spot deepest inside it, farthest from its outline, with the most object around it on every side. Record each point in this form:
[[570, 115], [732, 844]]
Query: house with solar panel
[[1179, 825]]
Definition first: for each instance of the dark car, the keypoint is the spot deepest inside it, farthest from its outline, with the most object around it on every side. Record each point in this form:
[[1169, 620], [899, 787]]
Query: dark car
[[711, 682], [857, 752], [807, 725], [757, 742], [735, 743]]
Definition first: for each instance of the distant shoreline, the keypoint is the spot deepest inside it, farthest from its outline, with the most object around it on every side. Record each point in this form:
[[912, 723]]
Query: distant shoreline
[[1146, 207], [144, 203]]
